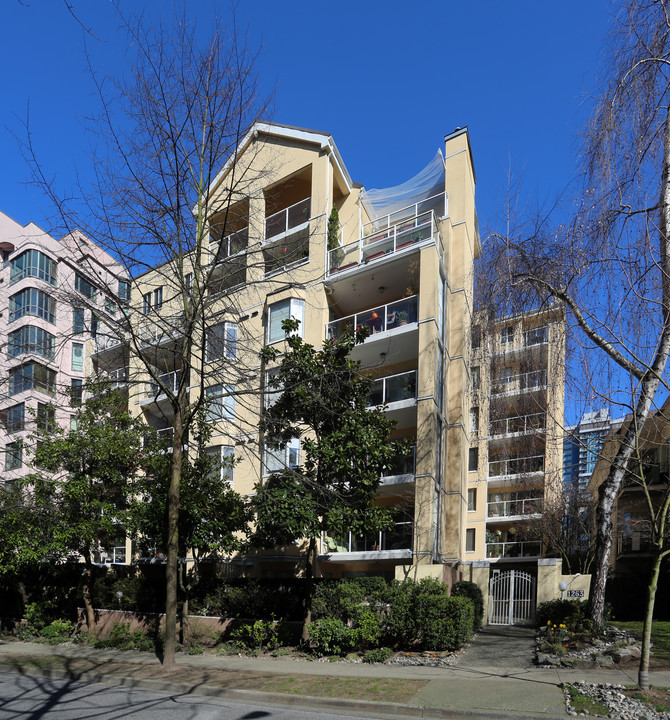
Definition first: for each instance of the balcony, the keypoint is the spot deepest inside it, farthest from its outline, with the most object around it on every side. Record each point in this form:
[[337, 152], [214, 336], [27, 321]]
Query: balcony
[[106, 342], [517, 424], [394, 324], [393, 389], [506, 509], [516, 466], [153, 391], [504, 550], [524, 382], [288, 221], [115, 379], [378, 320], [228, 246], [389, 235], [160, 330], [536, 336], [395, 544], [400, 475]]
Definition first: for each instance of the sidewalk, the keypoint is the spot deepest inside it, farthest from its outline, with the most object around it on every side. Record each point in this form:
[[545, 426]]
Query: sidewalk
[[486, 682]]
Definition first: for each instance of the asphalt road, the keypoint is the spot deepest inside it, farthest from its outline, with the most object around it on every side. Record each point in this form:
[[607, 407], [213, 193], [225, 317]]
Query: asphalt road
[[30, 698]]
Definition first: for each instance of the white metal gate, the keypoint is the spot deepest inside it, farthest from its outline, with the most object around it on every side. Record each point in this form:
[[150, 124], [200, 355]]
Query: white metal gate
[[511, 598]]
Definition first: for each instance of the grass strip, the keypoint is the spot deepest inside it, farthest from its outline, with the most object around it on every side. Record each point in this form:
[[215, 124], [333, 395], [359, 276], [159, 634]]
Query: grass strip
[[371, 689]]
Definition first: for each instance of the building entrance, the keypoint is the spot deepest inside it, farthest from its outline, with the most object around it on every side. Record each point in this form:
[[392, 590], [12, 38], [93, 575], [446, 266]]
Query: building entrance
[[511, 597]]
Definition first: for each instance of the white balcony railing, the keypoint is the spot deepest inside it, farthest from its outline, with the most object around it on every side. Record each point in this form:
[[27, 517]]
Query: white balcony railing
[[399, 538], [393, 388], [390, 234], [170, 327], [228, 246], [516, 466], [528, 548], [105, 342], [379, 319], [513, 508], [518, 424], [509, 384], [169, 380], [291, 218], [536, 336]]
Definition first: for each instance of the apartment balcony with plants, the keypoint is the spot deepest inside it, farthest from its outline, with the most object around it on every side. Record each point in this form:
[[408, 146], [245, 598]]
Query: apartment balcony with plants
[[392, 329], [390, 235]]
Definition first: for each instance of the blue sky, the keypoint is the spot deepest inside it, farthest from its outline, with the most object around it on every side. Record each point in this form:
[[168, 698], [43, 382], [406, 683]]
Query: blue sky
[[387, 79]]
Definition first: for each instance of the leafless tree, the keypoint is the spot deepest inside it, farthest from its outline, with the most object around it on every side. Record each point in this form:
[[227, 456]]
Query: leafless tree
[[163, 136], [610, 263]]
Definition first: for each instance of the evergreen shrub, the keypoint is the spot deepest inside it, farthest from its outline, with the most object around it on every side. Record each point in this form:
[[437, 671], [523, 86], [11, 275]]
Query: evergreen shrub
[[471, 590]]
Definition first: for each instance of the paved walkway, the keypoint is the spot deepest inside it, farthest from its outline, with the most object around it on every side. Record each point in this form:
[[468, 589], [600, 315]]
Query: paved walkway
[[492, 679]]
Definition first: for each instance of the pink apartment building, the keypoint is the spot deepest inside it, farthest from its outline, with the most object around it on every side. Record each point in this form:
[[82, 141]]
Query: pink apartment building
[[53, 295]]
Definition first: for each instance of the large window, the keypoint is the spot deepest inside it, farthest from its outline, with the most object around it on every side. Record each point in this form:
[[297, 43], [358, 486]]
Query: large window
[[77, 357], [32, 301], [277, 459], [82, 285], [13, 455], [13, 418], [76, 392], [152, 300], [33, 263], [124, 290], [222, 462], [29, 339], [280, 311], [46, 417], [221, 342], [220, 402], [78, 321], [32, 376]]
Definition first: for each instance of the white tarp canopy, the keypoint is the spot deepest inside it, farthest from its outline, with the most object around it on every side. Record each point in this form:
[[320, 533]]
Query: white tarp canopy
[[429, 182]]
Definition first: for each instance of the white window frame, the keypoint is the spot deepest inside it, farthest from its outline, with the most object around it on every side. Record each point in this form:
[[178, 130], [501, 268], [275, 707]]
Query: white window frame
[[280, 459], [288, 308], [222, 454], [221, 399], [225, 346]]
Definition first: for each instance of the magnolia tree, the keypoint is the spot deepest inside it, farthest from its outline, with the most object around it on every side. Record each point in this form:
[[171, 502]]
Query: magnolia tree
[[331, 488]]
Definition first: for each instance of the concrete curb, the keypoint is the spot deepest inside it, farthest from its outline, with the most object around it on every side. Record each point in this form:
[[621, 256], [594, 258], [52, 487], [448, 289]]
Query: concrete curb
[[306, 702]]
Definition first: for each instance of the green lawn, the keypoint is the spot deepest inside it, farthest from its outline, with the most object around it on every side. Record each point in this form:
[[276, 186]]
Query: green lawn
[[660, 637]]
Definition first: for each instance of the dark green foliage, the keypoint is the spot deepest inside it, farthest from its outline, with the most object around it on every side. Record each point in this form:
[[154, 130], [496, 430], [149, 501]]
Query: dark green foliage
[[342, 598], [58, 631], [38, 615], [471, 590], [257, 635], [378, 655], [345, 446], [141, 593], [557, 611], [121, 638], [423, 617], [333, 229], [331, 636]]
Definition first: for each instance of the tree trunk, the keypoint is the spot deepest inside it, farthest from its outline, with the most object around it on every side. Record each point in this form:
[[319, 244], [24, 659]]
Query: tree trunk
[[309, 589], [643, 672], [86, 580], [172, 566]]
